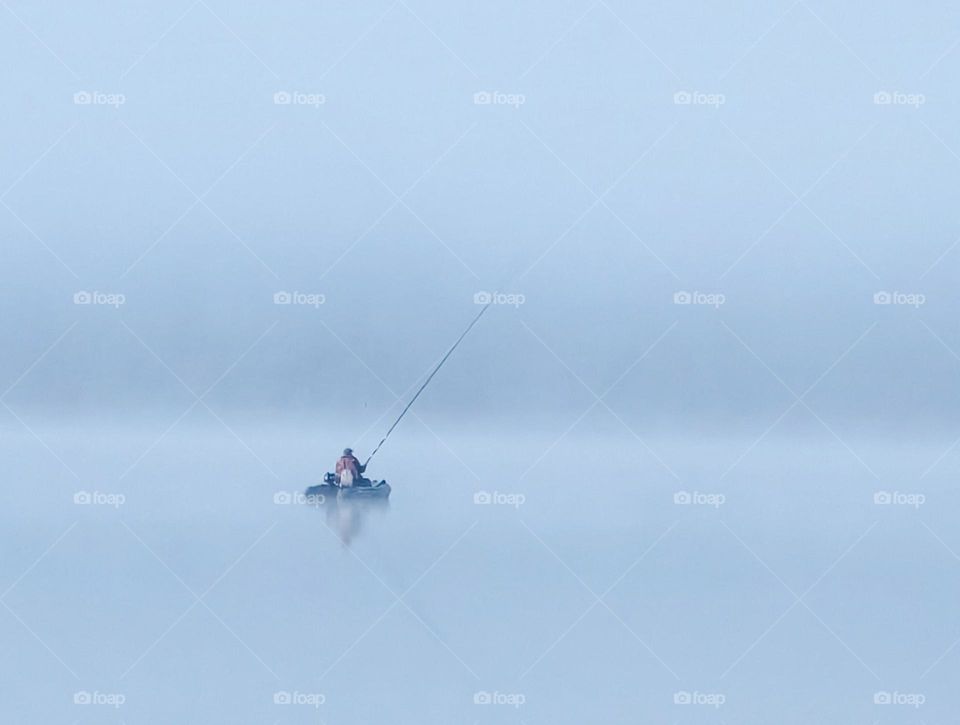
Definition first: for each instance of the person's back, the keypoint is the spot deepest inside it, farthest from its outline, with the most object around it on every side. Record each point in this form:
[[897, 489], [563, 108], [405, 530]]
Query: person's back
[[349, 468]]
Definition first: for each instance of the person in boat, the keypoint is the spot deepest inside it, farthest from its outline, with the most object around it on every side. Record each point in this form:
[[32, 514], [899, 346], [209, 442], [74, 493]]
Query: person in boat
[[349, 470]]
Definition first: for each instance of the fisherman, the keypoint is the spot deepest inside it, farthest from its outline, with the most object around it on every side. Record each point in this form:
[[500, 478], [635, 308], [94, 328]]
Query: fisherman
[[350, 471]]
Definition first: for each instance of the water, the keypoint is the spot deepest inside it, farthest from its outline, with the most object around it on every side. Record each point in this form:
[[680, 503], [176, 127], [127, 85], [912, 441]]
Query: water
[[781, 592]]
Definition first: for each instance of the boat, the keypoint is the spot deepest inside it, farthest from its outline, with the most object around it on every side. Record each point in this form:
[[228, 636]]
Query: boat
[[331, 489]]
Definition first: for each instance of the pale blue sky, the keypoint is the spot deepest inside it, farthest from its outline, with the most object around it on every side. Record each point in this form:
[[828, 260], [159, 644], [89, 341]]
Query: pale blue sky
[[596, 196]]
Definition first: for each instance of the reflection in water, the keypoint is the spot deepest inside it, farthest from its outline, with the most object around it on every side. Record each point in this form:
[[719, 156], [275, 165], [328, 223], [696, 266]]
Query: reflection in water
[[345, 515]]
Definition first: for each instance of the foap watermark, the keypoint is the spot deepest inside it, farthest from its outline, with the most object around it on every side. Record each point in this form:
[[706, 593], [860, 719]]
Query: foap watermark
[[498, 98], [299, 98], [514, 699], [912, 699], [113, 699], [514, 299], [108, 299], [98, 98], [712, 699], [908, 299], [710, 299], [698, 498], [287, 498], [899, 498], [499, 498], [898, 98], [307, 299], [698, 98], [313, 699], [99, 498]]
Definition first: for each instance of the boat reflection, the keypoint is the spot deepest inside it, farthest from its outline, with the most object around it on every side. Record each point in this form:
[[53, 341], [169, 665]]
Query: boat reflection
[[346, 515]]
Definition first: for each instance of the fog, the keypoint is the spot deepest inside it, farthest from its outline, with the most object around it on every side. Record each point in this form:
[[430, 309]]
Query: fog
[[713, 401], [594, 198]]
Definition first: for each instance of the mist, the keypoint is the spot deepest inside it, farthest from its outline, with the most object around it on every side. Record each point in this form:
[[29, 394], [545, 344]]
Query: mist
[[695, 461]]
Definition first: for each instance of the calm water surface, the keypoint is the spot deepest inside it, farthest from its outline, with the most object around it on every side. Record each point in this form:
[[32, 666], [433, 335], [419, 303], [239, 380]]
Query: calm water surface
[[602, 582]]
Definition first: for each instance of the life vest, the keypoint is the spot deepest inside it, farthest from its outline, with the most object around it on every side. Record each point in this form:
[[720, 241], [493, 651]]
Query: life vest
[[348, 463]]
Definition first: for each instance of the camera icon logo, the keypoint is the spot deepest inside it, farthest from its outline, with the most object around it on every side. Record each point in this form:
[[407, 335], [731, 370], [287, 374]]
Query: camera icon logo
[[882, 98], [82, 98], [282, 497], [81, 698], [681, 498], [282, 298], [282, 98], [482, 497], [82, 298], [882, 698], [682, 698], [882, 298], [882, 498], [482, 98], [482, 698], [683, 98], [282, 698], [482, 298], [82, 498], [682, 298]]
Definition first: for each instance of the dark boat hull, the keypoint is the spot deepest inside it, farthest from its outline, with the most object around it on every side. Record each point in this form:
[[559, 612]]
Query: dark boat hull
[[379, 489]]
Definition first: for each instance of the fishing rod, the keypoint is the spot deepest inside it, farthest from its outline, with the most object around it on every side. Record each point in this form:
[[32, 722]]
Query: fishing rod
[[427, 381]]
